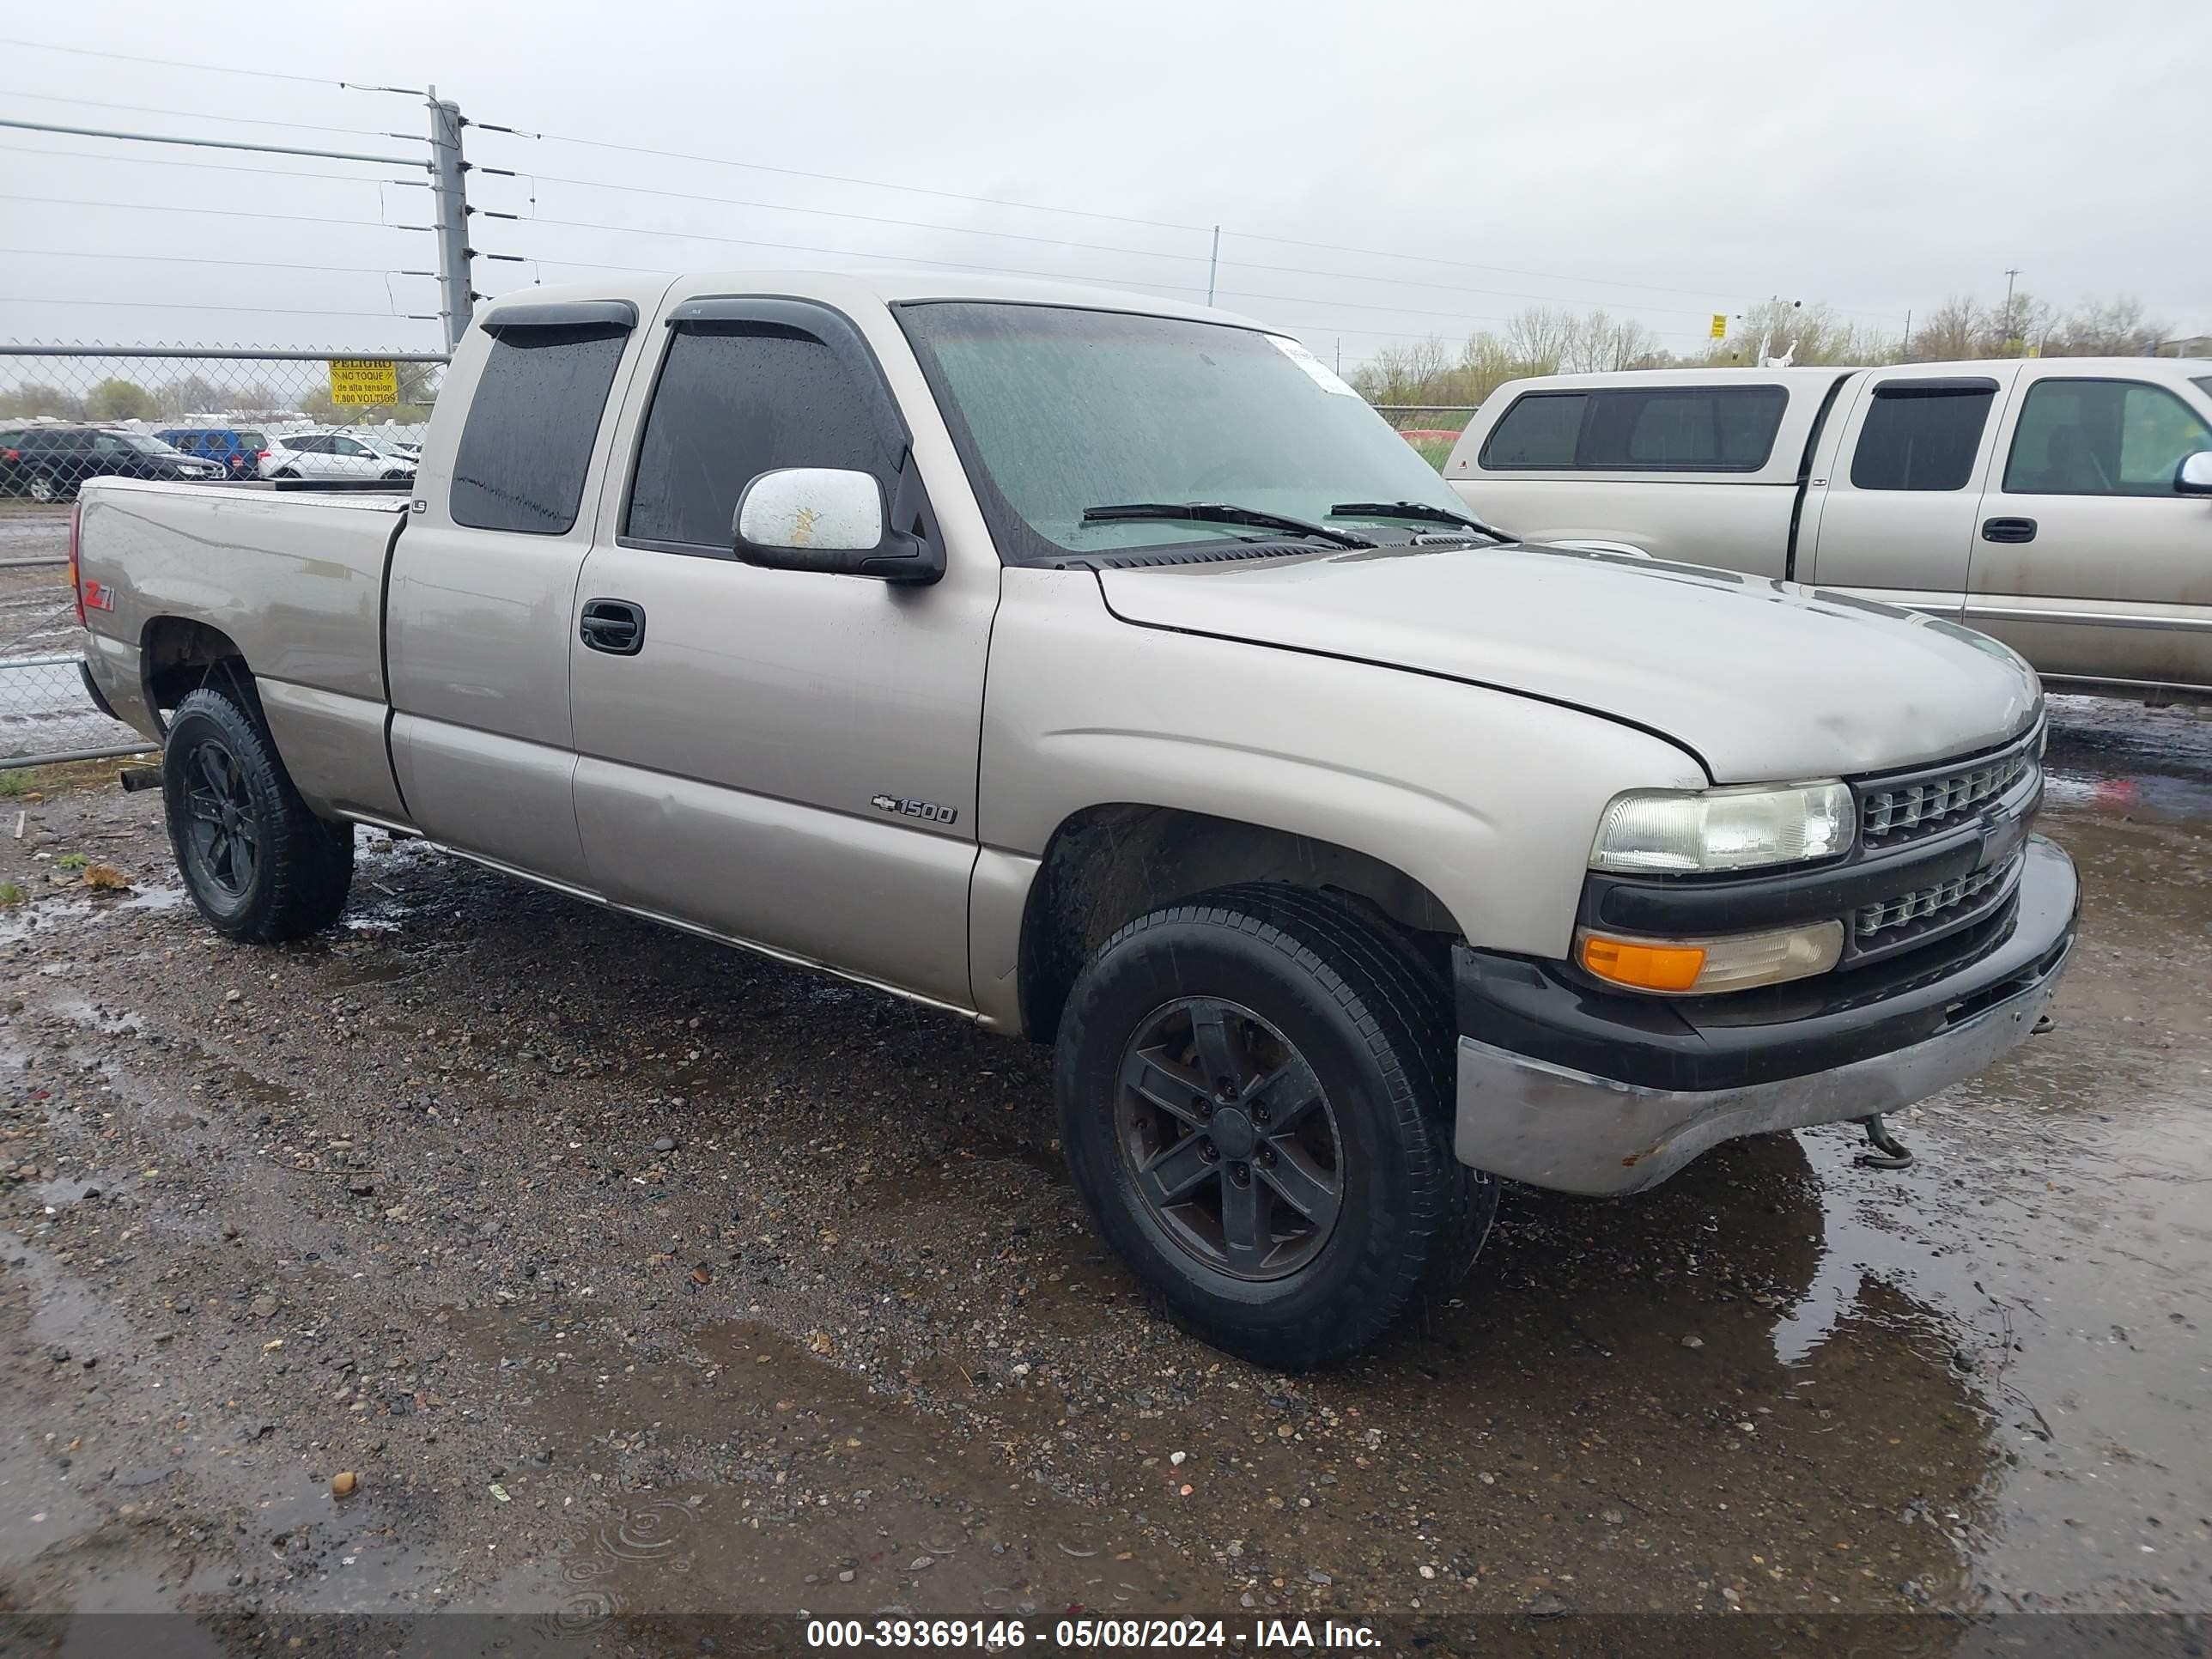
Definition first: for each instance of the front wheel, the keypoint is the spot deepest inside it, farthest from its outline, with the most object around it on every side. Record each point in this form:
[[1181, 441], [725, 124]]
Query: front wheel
[[258, 864], [45, 487], [1253, 1097]]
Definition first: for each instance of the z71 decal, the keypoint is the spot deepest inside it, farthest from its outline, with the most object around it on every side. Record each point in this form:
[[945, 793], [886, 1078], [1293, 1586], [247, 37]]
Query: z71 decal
[[907, 807]]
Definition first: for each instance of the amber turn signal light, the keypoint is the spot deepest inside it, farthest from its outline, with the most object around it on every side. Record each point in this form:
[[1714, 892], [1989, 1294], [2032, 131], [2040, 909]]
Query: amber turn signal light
[[1645, 966]]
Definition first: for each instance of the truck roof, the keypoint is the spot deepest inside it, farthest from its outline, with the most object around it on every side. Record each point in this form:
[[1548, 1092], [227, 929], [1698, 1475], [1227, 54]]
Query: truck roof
[[1821, 374], [887, 287]]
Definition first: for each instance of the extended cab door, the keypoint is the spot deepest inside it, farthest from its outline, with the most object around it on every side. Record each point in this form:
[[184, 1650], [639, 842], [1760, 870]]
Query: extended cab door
[[1891, 506], [2087, 561], [483, 584], [784, 759]]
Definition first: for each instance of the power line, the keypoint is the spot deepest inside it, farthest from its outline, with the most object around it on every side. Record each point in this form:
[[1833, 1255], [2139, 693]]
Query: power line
[[846, 253], [219, 166], [869, 218], [184, 259], [1704, 294], [224, 213], [211, 69], [186, 305], [1094, 247], [835, 177], [196, 114]]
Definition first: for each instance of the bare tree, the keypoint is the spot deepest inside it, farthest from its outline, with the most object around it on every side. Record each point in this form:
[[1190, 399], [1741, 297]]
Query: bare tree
[[2113, 328], [1957, 328]]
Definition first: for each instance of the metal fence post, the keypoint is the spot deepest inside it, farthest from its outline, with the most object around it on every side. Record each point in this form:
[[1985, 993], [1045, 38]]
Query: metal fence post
[[449, 187]]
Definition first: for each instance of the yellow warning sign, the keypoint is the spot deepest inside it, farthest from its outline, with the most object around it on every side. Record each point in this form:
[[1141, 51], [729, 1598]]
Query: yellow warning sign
[[363, 381], [1720, 326]]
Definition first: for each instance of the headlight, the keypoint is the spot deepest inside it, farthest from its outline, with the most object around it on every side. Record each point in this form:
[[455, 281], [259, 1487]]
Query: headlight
[[1660, 832]]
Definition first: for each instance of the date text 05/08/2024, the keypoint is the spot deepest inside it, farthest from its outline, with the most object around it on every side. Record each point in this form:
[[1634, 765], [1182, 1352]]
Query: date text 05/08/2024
[[996, 1635]]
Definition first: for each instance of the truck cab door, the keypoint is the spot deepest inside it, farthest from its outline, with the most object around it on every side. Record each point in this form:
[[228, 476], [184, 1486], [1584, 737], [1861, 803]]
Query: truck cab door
[[782, 758], [2087, 560], [1896, 496], [483, 584]]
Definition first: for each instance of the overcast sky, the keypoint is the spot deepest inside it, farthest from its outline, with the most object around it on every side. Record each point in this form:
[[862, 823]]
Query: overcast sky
[[1463, 160]]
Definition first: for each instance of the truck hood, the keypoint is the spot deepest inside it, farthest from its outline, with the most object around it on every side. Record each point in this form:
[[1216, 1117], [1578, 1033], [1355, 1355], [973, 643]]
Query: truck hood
[[1762, 680]]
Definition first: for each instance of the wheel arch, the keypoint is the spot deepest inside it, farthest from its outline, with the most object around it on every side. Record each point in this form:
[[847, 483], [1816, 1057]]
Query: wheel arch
[[1107, 864], [178, 655]]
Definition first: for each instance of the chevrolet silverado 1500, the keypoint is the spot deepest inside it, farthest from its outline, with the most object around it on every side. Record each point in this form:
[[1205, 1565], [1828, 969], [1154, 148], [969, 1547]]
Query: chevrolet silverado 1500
[[1101, 669]]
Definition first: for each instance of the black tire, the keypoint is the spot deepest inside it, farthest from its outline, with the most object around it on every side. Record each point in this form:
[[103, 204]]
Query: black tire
[[1372, 1023], [259, 866], [45, 487], [287, 474]]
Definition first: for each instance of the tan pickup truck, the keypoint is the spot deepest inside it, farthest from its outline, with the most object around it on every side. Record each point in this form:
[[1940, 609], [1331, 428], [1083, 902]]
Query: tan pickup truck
[[1103, 671], [2061, 504]]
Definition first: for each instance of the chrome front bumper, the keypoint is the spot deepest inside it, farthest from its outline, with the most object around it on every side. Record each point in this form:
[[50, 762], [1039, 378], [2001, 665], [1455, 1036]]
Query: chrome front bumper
[[1551, 1125]]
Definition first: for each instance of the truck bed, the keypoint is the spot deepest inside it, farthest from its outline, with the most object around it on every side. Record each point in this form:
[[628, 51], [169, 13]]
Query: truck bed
[[293, 577]]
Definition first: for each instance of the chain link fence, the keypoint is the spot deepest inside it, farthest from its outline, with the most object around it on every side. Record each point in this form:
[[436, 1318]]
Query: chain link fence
[[70, 413]]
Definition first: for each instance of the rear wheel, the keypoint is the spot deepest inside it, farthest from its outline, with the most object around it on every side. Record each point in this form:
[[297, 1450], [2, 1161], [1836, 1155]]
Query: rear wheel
[[285, 473], [1253, 1099], [258, 864]]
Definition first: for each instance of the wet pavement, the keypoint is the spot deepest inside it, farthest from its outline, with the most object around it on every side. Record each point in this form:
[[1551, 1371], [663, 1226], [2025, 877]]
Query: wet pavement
[[630, 1276]]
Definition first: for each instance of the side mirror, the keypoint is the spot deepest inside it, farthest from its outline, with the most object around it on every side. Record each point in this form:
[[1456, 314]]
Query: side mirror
[[828, 520], [2194, 476]]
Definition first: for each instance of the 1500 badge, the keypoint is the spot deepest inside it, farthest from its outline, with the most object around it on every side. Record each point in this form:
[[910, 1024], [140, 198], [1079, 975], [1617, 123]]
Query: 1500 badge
[[907, 807]]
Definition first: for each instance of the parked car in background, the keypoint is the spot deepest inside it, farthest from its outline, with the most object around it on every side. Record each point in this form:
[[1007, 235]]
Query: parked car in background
[[47, 462], [1102, 668], [2063, 505], [329, 455], [391, 448], [239, 451]]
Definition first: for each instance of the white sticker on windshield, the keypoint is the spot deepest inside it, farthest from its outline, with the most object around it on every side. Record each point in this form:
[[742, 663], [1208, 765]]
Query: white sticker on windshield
[[1316, 371]]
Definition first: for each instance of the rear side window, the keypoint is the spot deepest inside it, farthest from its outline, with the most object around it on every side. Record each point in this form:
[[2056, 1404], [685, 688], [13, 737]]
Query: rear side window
[[528, 440], [1921, 437], [736, 399], [1700, 429]]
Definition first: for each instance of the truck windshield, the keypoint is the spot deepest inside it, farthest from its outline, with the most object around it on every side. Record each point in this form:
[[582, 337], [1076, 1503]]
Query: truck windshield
[[1061, 411]]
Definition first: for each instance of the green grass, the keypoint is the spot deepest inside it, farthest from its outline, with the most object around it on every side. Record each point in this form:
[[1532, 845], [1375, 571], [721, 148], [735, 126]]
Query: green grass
[[71, 861], [1434, 451], [11, 894], [15, 781]]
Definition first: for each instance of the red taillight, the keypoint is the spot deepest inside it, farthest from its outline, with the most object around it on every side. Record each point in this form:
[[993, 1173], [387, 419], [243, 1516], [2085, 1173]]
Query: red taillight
[[75, 574], [262, 456]]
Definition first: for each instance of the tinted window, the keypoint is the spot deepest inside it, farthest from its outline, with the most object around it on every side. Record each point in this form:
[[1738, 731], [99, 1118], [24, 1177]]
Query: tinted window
[[2101, 438], [1920, 439], [522, 457], [735, 400], [1541, 430], [1689, 429]]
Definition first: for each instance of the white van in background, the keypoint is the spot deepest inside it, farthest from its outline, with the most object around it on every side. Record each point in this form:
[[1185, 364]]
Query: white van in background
[[2063, 505]]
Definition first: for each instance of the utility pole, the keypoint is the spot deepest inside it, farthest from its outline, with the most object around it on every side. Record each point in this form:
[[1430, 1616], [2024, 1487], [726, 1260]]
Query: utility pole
[[2012, 273], [448, 186], [1906, 352], [1212, 262]]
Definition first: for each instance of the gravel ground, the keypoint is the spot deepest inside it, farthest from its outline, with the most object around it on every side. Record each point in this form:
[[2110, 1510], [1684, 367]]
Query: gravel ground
[[621, 1276]]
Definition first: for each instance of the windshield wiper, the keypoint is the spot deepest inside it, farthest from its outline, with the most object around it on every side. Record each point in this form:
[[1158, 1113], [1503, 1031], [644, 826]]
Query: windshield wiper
[[1221, 512], [1417, 510]]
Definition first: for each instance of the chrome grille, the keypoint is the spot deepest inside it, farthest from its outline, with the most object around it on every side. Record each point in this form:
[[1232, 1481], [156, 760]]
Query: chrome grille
[[1870, 921], [1917, 806]]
